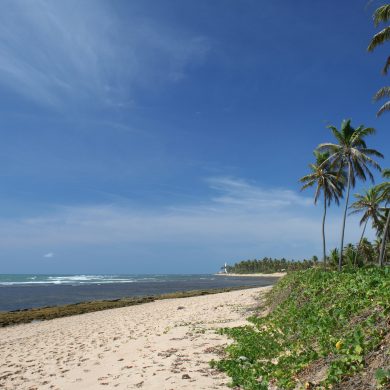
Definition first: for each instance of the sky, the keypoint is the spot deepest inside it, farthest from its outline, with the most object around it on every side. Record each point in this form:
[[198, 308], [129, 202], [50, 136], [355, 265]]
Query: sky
[[168, 137]]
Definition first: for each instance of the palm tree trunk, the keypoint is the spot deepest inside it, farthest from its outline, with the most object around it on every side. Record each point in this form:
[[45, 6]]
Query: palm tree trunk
[[383, 243], [323, 231], [360, 242], [345, 216]]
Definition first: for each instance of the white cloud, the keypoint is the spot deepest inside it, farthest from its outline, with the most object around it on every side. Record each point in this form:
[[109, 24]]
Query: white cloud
[[242, 214], [242, 193], [55, 52], [48, 255]]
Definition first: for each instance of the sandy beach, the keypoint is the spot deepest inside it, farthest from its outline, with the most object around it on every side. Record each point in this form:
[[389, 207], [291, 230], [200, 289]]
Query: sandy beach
[[258, 275], [159, 345]]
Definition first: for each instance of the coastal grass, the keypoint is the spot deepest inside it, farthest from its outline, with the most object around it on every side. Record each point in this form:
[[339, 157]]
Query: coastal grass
[[47, 313], [322, 330]]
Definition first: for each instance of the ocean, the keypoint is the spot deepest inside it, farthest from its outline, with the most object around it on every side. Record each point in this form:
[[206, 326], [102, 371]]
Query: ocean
[[29, 291]]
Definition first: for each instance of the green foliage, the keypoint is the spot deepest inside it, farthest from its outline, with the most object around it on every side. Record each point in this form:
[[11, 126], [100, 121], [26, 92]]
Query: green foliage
[[382, 377], [268, 265], [318, 315], [326, 178]]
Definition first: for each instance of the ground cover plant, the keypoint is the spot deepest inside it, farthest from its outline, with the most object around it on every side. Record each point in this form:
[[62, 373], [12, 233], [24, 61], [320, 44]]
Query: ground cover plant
[[325, 320]]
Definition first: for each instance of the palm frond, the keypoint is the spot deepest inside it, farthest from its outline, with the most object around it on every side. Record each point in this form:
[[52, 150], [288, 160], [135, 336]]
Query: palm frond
[[383, 92], [372, 152], [308, 178], [385, 107], [317, 193], [357, 211], [381, 14], [379, 38], [386, 67], [362, 131], [358, 172], [337, 134]]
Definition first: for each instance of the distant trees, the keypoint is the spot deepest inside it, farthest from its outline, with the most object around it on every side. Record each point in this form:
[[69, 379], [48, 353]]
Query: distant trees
[[269, 265]]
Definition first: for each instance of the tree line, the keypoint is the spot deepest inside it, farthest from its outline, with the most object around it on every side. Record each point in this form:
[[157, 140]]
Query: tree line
[[269, 265]]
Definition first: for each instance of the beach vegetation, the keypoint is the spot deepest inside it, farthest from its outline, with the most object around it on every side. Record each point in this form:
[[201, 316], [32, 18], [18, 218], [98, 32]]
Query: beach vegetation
[[322, 331]]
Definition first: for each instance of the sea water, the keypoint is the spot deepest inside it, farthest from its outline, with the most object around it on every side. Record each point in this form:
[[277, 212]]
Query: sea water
[[22, 291]]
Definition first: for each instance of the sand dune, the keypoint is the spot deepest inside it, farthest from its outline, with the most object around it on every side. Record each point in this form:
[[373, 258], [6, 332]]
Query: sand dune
[[159, 345]]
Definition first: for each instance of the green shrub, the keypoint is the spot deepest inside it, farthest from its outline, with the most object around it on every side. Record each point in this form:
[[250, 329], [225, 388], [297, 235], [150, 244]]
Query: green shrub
[[326, 316]]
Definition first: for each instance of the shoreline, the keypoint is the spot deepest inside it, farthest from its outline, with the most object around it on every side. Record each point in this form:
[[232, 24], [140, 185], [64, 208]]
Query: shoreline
[[163, 344], [258, 275], [22, 316]]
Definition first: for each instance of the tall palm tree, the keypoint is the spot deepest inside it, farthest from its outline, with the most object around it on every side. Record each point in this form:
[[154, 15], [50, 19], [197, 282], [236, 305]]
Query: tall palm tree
[[385, 190], [369, 205], [327, 181], [382, 15], [352, 153]]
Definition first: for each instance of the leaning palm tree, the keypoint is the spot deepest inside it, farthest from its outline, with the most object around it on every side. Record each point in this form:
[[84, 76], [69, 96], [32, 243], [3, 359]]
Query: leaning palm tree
[[384, 188], [352, 153], [327, 181], [382, 15], [369, 205]]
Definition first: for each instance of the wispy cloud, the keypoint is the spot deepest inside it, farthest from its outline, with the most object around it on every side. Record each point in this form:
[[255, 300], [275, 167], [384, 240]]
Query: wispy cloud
[[48, 255], [276, 221], [55, 52], [252, 197]]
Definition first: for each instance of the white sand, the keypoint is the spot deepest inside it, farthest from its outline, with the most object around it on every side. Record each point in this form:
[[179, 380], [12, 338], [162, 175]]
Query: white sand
[[160, 345], [259, 275]]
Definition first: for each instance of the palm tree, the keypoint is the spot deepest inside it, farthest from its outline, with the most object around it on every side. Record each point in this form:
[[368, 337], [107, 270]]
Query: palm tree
[[369, 205], [351, 152], [367, 251], [382, 15], [329, 182], [334, 256], [384, 188]]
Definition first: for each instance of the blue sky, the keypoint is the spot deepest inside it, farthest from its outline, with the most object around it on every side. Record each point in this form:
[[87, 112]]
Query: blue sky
[[147, 136]]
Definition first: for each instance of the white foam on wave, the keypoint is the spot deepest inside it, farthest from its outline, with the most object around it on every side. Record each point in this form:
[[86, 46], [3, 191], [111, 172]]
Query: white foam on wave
[[85, 279], [70, 280]]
